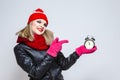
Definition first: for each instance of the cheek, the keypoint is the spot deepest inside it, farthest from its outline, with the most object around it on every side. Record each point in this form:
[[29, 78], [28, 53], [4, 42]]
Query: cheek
[[43, 31], [45, 28], [33, 29]]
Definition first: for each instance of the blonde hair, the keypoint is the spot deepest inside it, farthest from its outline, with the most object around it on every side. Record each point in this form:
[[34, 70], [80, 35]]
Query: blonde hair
[[27, 33]]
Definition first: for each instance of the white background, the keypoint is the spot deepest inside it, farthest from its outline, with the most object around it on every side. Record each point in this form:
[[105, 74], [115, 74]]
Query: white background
[[68, 19]]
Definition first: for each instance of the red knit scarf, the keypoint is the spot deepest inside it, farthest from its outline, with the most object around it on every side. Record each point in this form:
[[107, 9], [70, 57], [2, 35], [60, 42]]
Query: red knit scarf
[[38, 42]]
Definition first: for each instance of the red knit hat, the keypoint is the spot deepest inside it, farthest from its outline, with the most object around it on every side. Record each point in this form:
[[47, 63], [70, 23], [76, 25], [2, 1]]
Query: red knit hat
[[37, 14]]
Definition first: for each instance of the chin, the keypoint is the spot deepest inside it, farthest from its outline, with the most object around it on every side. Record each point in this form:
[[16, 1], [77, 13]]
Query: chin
[[40, 33]]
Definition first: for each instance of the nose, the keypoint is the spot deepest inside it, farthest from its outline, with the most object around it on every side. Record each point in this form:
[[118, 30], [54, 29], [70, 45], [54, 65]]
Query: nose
[[42, 25]]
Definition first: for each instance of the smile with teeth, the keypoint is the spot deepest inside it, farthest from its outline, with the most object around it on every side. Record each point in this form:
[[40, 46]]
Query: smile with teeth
[[40, 29]]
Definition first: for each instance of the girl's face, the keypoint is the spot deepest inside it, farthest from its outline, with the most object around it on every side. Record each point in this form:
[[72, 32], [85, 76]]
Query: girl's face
[[38, 26]]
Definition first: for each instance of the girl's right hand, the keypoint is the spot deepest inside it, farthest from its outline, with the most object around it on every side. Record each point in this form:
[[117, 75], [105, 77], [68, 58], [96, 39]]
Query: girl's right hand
[[55, 47]]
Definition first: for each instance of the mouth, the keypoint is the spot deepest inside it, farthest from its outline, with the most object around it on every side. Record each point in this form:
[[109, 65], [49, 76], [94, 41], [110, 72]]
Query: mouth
[[40, 29]]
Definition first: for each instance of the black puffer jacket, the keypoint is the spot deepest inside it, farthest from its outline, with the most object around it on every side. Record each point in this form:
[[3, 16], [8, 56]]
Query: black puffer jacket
[[41, 66]]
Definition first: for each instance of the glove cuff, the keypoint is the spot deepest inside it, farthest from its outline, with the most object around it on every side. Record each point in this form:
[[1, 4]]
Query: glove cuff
[[52, 53], [78, 51]]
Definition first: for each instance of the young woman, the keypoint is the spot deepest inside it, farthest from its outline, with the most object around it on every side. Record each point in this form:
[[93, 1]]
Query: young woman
[[39, 54]]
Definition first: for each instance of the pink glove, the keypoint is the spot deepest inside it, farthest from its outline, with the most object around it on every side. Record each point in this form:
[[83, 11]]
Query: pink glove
[[82, 50], [55, 47]]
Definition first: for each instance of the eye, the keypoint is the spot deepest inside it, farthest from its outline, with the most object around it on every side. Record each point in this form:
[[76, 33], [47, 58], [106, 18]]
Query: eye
[[38, 21], [45, 25]]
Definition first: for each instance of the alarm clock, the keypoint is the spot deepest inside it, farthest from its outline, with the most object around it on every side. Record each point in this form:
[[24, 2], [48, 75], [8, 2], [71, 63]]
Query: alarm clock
[[89, 42]]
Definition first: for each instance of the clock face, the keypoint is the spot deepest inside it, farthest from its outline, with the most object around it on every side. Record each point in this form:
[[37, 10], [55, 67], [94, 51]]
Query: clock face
[[89, 44]]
